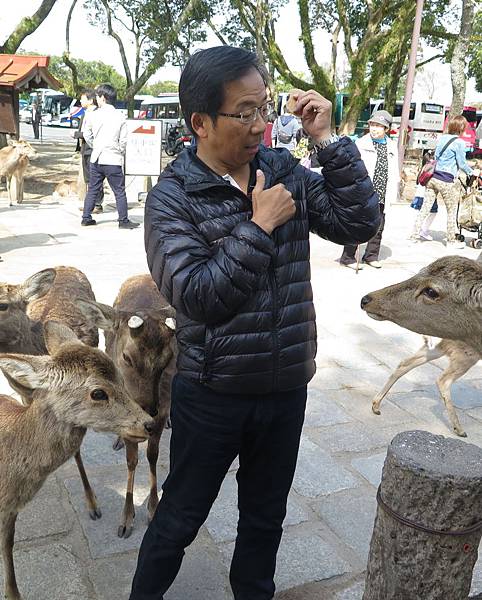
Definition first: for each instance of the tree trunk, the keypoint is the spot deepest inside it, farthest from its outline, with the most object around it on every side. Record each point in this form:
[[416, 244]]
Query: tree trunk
[[427, 529], [26, 26], [457, 66]]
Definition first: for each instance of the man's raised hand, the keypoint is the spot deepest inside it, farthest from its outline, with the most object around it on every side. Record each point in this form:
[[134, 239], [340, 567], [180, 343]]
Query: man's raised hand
[[272, 207]]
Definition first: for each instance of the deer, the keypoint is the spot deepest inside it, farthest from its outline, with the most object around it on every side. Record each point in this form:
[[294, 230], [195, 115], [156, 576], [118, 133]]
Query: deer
[[48, 295], [139, 337], [14, 160], [74, 388], [443, 300]]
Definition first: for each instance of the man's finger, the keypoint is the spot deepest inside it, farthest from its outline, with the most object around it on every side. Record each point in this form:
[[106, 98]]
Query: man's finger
[[260, 181]]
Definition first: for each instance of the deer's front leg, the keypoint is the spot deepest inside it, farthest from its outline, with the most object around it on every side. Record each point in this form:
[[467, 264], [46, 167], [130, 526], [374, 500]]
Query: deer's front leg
[[127, 522]]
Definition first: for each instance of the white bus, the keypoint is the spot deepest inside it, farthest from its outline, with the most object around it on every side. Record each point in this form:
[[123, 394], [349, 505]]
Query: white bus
[[165, 108], [425, 123]]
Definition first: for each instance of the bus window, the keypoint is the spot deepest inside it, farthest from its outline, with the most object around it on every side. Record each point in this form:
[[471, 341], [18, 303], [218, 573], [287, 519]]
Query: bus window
[[399, 107]]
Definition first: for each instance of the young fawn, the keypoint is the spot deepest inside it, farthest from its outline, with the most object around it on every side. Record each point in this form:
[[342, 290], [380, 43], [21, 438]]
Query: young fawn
[[74, 388], [443, 300]]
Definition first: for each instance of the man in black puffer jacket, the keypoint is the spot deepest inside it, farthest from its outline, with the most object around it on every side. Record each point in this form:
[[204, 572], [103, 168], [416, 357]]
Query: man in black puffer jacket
[[227, 239]]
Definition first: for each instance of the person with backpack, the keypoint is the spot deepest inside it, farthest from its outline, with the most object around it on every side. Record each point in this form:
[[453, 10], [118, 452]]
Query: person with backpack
[[450, 157], [284, 130]]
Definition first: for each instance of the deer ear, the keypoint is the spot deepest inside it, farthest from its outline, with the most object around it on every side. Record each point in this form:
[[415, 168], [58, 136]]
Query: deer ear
[[57, 334], [37, 285], [26, 371], [102, 315]]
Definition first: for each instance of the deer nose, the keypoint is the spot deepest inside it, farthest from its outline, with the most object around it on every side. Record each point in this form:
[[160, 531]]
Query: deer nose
[[365, 300], [150, 427]]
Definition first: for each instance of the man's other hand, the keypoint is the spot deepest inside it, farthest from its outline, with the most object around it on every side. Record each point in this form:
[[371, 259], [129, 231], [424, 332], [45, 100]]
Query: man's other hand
[[272, 207]]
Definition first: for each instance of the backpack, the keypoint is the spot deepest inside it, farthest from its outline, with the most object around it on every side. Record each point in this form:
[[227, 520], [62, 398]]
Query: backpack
[[283, 137], [426, 172]]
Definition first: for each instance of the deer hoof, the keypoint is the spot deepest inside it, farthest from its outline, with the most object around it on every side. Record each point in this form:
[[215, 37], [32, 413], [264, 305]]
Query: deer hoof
[[124, 531], [95, 514], [460, 433], [118, 444], [376, 410]]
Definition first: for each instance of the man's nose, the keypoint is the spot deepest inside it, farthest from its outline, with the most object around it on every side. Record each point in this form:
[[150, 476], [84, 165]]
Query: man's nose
[[365, 300]]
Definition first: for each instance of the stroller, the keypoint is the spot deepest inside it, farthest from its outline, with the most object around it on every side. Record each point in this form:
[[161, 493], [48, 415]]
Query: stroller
[[469, 211]]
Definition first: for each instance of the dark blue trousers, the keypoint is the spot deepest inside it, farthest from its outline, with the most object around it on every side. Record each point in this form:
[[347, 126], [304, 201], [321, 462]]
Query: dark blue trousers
[[116, 180], [208, 431]]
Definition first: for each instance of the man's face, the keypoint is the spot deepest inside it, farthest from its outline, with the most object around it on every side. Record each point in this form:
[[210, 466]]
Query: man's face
[[377, 131], [100, 100], [85, 102], [228, 141]]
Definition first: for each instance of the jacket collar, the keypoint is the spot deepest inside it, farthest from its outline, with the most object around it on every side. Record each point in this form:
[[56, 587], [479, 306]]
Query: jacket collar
[[196, 175]]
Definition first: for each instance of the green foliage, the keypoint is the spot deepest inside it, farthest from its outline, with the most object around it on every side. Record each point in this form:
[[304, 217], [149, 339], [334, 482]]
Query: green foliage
[[160, 87], [475, 52], [90, 73]]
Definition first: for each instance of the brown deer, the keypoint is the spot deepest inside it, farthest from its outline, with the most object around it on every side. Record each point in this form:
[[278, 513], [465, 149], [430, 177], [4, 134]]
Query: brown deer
[[139, 335], [74, 388], [14, 160], [443, 300], [48, 295]]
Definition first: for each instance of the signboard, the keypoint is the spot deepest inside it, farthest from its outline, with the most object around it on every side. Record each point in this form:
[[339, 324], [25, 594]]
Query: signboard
[[143, 150]]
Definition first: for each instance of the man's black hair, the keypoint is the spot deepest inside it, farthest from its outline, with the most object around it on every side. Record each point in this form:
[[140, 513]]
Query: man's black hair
[[89, 93], [203, 80], [108, 91]]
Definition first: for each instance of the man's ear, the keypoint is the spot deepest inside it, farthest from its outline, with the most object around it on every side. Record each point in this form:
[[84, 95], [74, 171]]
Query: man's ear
[[202, 124]]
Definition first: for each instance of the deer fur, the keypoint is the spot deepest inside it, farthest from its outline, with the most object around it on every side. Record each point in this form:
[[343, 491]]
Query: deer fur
[[139, 335], [74, 388], [443, 300], [14, 160], [48, 295]]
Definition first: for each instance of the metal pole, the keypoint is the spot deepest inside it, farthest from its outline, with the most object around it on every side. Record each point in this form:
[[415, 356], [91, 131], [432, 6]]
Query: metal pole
[[409, 87]]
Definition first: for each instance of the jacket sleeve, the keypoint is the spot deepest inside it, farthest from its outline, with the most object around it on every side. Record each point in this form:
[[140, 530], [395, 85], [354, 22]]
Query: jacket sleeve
[[342, 204], [207, 283], [123, 135], [460, 157]]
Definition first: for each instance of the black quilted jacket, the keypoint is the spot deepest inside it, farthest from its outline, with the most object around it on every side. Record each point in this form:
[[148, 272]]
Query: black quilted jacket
[[245, 316]]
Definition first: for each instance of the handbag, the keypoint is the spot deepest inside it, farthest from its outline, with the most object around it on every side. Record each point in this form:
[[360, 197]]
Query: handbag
[[426, 172]]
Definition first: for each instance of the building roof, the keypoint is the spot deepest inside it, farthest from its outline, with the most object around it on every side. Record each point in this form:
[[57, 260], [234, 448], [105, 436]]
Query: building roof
[[24, 72]]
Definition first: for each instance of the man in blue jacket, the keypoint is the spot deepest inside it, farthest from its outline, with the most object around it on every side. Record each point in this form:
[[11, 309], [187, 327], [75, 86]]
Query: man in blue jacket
[[227, 240]]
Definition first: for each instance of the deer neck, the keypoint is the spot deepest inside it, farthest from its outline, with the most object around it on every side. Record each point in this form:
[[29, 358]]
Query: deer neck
[[51, 441]]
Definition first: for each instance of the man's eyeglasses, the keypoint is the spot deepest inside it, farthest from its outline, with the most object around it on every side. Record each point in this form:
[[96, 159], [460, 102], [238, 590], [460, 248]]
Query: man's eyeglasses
[[249, 116]]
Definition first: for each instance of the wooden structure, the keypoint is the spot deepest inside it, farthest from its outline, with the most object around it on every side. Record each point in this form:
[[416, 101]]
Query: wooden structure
[[20, 73]]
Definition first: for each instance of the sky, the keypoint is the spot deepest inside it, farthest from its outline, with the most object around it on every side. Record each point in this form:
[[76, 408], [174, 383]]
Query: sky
[[88, 42]]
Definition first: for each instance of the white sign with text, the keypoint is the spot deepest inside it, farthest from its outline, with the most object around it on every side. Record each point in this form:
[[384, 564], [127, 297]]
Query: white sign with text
[[143, 151]]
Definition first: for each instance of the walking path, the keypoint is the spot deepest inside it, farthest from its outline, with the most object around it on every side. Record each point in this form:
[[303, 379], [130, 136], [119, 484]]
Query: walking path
[[62, 555]]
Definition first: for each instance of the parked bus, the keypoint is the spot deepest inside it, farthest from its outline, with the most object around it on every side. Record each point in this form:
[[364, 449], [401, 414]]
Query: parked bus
[[165, 108], [469, 136]]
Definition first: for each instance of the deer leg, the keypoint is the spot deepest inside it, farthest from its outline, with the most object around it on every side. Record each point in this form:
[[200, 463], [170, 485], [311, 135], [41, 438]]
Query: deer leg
[[7, 536], [118, 444], [9, 189], [20, 190], [132, 456], [152, 456], [94, 510], [458, 366], [424, 355]]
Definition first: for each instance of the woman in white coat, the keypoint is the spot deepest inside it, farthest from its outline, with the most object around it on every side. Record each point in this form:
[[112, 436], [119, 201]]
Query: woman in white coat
[[380, 155]]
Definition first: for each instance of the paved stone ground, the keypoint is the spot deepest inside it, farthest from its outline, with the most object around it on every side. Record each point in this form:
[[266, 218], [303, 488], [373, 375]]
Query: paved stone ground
[[62, 555]]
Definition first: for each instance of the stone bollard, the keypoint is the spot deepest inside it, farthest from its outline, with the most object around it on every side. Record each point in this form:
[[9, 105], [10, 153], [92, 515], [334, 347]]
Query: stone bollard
[[428, 524]]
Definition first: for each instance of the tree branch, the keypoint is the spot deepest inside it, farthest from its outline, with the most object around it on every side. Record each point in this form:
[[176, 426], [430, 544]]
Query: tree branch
[[119, 41], [66, 55], [26, 26]]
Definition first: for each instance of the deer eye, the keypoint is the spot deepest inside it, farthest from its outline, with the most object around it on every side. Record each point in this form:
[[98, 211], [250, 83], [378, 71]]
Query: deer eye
[[430, 293], [3, 306], [99, 395], [127, 359]]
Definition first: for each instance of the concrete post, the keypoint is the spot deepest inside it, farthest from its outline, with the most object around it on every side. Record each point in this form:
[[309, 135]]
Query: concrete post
[[428, 524]]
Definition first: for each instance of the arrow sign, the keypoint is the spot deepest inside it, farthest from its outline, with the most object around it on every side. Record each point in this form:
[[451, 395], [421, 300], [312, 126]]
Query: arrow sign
[[142, 129]]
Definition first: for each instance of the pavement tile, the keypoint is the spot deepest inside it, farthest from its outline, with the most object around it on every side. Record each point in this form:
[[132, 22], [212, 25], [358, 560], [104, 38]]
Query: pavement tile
[[223, 518], [347, 437], [318, 473], [350, 514], [110, 488], [50, 572], [370, 467], [321, 411]]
